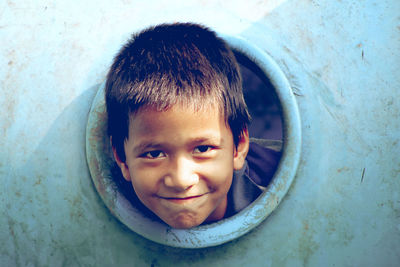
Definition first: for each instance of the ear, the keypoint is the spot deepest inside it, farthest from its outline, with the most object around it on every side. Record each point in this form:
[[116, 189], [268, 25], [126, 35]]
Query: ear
[[241, 151], [122, 165]]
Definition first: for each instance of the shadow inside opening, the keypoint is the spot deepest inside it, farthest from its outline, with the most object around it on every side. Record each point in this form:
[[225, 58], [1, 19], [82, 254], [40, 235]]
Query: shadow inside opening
[[261, 99]]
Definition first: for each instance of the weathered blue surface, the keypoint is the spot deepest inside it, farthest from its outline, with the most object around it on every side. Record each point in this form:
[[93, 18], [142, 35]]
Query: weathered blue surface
[[342, 61]]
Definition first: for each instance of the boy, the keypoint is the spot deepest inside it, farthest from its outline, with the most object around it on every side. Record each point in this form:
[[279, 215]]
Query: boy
[[177, 122]]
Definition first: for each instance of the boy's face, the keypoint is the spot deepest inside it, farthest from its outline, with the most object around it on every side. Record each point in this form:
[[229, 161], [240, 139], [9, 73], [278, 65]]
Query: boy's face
[[180, 163]]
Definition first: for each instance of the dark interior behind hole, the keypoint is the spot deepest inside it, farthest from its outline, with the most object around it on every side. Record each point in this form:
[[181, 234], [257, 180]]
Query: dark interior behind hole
[[261, 99]]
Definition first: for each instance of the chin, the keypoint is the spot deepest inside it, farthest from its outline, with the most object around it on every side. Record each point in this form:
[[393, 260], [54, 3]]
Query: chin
[[184, 222]]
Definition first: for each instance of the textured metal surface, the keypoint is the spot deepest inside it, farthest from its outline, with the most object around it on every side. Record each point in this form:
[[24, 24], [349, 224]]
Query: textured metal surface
[[341, 59]]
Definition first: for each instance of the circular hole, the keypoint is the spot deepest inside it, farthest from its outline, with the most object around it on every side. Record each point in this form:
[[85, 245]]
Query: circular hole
[[101, 163]]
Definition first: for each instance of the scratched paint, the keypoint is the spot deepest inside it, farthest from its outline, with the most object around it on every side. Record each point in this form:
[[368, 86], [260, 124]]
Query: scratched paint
[[341, 59]]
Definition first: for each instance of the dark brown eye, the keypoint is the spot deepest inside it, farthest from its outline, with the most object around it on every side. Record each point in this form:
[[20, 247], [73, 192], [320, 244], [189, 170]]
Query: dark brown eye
[[202, 149], [153, 154]]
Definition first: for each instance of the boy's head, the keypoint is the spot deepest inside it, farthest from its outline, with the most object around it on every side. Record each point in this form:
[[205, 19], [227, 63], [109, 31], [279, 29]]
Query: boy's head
[[178, 121]]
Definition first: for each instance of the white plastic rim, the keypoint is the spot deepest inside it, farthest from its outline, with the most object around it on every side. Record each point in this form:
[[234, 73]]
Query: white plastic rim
[[100, 161]]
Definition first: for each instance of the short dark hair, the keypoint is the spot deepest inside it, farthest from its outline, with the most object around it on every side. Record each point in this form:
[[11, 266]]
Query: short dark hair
[[169, 64]]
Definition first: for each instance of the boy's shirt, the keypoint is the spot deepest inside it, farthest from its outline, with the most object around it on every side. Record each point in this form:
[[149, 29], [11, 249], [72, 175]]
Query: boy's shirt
[[250, 181]]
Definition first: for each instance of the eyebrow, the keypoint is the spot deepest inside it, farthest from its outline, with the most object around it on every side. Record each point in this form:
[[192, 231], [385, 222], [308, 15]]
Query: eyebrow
[[210, 139], [145, 146]]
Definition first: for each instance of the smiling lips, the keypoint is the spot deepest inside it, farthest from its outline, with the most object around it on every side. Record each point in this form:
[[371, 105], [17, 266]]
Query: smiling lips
[[182, 200]]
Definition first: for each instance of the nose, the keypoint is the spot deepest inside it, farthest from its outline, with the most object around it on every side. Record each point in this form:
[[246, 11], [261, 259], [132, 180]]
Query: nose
[[182, 174]]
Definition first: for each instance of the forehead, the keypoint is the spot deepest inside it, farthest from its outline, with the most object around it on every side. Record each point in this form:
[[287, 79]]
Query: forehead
[[178, 120]]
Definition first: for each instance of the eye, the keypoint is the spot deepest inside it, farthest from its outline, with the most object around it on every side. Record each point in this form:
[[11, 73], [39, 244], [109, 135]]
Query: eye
[[202, 149], [155, 154]]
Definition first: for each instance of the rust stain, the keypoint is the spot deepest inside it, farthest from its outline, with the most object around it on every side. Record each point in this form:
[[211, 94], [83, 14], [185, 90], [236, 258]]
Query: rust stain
[[343, 169], [38, 181]]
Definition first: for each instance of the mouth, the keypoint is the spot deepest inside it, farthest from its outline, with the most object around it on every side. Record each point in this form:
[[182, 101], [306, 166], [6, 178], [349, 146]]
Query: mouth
[[182, 200]]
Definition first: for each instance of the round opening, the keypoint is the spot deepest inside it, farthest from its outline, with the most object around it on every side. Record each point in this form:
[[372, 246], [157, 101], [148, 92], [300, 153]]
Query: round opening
[[286, 133]]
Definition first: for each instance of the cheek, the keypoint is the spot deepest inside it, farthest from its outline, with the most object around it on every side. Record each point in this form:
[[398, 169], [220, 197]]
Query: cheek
[[219, 173], [144, 180]]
